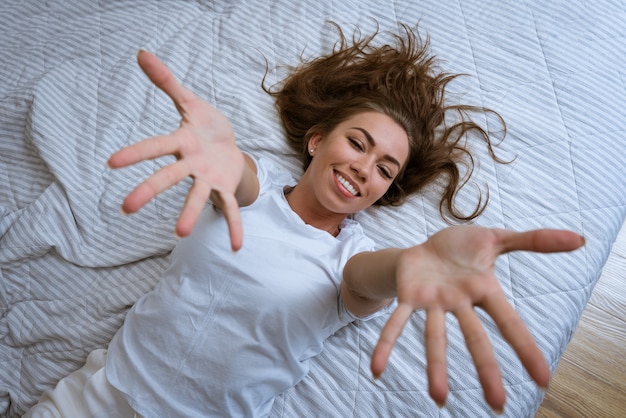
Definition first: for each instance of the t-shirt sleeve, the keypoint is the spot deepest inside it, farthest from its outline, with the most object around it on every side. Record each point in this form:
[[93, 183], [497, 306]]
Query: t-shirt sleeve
[[271, 175], [384, 311]]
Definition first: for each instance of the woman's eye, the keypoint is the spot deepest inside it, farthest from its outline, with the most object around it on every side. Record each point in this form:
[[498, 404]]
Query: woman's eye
[[385, 172], [356, 144]]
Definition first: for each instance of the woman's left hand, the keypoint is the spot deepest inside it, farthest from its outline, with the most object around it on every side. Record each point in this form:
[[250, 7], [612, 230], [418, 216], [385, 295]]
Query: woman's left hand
[[454, 272], [205, 149]]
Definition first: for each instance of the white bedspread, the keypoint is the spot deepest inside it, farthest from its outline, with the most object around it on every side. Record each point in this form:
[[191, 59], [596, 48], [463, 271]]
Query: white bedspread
[[71, 94]]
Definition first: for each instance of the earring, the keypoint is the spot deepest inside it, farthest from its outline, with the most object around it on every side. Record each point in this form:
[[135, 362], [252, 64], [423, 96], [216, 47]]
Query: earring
[[312, 150]]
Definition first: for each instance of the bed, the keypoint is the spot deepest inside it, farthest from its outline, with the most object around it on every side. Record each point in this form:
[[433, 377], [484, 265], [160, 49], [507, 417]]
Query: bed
[[71, 94]]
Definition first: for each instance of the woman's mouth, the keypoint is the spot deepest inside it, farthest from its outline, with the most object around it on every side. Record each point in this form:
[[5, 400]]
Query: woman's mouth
[[346, 185]]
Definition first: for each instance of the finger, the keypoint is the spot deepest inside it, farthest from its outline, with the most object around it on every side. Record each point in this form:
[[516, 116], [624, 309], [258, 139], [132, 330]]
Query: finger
[[540, 240], [196, 200], [160, 181], [148, 149], [230, 208], [436, 364], [483, 356], [163, 78], [388, 337], [514, 331]]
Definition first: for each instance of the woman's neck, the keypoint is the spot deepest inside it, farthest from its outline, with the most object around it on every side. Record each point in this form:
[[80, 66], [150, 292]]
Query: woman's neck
[[311, 212]]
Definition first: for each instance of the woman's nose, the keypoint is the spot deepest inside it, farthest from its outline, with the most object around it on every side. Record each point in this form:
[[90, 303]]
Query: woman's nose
[[362, 167]]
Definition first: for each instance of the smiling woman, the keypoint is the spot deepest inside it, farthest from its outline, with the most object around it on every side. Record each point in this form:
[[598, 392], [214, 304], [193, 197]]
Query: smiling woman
[[229, 326], [403, 82], [351, 168]]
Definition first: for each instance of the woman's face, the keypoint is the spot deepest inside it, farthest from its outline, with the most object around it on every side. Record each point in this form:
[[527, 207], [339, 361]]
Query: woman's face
[[354, 164]]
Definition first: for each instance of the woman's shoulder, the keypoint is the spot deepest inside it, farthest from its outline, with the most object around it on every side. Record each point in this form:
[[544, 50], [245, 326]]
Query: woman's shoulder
[[352, 230], [271, 174]]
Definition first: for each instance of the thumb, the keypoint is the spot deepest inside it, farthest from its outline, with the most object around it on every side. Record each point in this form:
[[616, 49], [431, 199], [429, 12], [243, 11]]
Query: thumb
[[230, 208], [540, 240]]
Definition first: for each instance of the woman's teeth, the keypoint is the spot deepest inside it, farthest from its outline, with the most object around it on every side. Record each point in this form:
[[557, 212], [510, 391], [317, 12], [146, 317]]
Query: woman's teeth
[[345, 183]]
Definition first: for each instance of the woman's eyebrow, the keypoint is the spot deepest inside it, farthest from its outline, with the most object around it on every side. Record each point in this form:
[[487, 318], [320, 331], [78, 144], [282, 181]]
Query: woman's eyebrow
[[372, 142]]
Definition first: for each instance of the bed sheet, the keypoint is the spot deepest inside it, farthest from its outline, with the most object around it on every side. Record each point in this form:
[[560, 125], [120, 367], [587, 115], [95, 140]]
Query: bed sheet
[[71, 94]]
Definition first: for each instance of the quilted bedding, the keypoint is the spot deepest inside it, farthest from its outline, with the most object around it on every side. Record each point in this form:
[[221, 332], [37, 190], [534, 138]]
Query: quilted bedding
[[70, 94]]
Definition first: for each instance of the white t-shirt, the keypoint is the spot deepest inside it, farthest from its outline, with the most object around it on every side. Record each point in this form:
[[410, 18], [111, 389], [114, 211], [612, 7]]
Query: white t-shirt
[[223, 333]]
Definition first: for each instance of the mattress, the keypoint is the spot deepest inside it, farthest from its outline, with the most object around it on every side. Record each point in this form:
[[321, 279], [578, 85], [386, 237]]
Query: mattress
[[71, 94]]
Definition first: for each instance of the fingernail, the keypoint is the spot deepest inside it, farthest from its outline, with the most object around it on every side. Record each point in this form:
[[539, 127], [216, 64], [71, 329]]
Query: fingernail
[[441, 405], [583, 240], [122, 211], [498, 411]]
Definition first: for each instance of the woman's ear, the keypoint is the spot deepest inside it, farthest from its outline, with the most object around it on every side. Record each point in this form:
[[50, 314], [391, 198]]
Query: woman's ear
[[314, 141]]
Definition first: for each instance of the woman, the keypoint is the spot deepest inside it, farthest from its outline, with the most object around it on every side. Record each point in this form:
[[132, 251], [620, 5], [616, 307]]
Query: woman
[[233, 322]]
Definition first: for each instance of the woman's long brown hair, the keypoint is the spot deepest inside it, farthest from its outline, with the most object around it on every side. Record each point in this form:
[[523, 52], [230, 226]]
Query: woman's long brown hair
[[402, 81]]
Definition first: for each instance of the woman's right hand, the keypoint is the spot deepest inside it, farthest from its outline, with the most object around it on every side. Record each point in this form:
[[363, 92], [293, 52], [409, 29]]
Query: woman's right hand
[[454, 271], [205, 148]]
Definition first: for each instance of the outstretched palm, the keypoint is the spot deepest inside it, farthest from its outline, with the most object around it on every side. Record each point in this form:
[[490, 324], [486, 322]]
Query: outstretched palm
[[205, 149], [454, 272]]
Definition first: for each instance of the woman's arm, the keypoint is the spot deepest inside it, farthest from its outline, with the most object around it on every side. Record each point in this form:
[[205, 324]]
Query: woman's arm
[[205, 149], [248, 189], [369, 283], [451, 272]]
